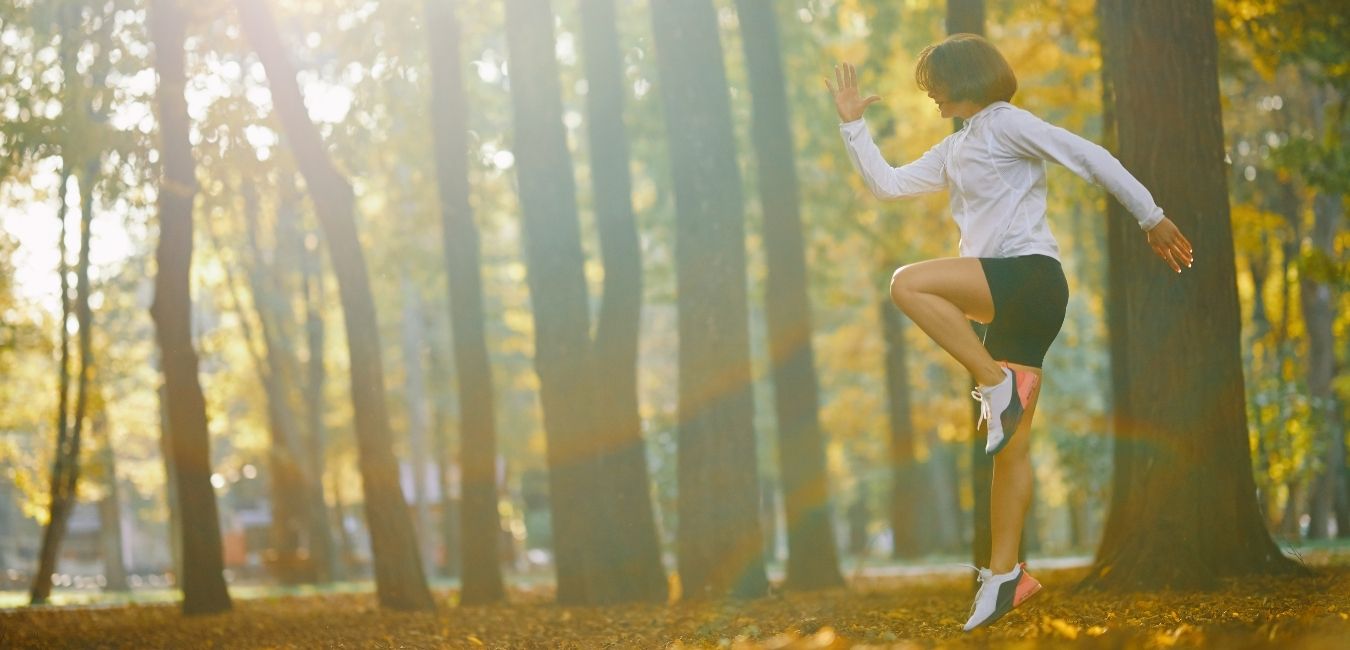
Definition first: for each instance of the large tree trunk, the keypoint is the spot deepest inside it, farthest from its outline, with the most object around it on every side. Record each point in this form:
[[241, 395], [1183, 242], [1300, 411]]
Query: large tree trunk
[[1183, 510], [636, 560], [813, 560], [564, 359], [719, 542], [399, 580], [479, 521], [202, 579]]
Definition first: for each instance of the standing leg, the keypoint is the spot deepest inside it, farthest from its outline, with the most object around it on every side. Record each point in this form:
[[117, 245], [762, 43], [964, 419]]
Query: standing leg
[[940, 296], [1012, 485]]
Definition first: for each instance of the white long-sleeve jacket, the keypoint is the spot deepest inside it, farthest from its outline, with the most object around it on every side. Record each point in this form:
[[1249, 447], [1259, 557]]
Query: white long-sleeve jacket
[[995, 169]]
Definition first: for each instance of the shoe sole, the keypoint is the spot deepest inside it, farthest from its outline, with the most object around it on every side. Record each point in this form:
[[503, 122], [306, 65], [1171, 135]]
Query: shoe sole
[[1024, 384]]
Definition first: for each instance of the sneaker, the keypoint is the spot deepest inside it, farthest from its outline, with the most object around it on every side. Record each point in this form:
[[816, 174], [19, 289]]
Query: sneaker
[[999, 594], [1008, 400]]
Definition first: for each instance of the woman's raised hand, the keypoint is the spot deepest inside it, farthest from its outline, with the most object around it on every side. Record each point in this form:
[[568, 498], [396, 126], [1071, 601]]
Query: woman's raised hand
[[1169, 244], [847, 100]]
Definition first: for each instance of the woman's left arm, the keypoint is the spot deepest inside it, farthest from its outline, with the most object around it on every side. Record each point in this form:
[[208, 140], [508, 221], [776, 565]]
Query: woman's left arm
[[1029, 136]]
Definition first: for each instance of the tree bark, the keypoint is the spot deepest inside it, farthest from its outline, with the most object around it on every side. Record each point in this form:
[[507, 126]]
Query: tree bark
[[110, 506], [813, 559], [1183, 510], [719, 543], [910, 494], [583, 522], [202, 578], [322, 551], [1319, 302], [635, 560], [415, 395], [399, 581], [479, 520], [54, 530]]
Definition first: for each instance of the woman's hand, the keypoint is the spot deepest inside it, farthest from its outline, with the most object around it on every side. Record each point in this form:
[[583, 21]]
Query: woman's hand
[[1169, 244], [847, 100]]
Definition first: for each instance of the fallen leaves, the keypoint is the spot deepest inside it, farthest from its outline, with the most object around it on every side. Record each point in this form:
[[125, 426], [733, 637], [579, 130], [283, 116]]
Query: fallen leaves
[[892, 613]]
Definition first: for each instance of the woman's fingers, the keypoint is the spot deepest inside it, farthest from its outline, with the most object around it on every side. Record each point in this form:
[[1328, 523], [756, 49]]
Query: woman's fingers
[[828, 86], [839, 78]]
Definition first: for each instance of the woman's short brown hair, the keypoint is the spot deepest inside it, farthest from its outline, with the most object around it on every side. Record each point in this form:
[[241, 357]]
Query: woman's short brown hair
[[967, 68]]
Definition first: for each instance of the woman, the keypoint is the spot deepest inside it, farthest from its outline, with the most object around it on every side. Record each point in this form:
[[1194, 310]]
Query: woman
[[1008, 278]]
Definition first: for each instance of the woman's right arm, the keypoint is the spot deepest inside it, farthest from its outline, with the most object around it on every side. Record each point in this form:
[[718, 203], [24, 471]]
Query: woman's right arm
[[927, 174]]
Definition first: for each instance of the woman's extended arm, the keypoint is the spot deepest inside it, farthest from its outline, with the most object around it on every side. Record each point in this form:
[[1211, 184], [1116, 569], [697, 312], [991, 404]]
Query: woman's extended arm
[[1029, 136], [885, 182]]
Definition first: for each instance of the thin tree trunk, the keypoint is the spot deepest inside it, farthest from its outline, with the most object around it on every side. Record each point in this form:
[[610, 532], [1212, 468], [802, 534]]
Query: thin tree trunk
[[909, 492], [202, 579], [1319, 302], [110, 506], [813, 559], [327, 567], [415, 394], [719, 542], [479, 519], [51, 534], [636, 562], [171, 501], [399, 580], [1183, 510]]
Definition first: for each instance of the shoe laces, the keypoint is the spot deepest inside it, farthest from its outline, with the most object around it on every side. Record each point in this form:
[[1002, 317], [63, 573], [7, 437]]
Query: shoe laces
[[986, 414]]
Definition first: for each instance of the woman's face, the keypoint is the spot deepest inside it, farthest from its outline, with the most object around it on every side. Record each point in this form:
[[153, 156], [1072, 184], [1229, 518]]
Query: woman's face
[[949, 109]]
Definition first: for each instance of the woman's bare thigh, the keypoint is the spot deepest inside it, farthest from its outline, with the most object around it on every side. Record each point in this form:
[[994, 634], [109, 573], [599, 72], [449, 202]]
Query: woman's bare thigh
[[959, 280]]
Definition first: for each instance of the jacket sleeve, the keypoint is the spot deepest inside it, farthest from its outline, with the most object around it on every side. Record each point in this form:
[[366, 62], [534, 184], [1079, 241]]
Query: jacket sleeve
[[1031, 137], [927, 174]]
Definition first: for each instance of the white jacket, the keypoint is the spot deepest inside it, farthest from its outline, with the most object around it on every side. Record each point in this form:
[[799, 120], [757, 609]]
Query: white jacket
[[995, 167]]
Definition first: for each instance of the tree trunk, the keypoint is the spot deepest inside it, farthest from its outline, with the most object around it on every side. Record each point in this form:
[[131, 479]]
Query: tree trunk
[[274, 366], [1183, 510], [52, 532], [479, 521], [719, 542], [110, 506], [1319, 317], [909, 492], [415, 394], [399, 580], [564, 359], [442, 425], [202, 579], [171, 501], [813, 560], [326, 565], [636, 561]]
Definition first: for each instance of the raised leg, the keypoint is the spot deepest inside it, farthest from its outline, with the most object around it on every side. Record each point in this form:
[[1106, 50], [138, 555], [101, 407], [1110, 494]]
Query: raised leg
[[940, 296]]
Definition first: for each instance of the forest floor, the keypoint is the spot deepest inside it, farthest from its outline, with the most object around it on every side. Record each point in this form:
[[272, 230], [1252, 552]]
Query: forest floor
[[905, 611]]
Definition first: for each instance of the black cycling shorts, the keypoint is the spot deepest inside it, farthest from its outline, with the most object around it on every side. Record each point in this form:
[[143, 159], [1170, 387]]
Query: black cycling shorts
[[1030, 296]]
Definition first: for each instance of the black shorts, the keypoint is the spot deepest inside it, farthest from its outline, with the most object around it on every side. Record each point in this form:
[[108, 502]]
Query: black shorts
[[1030, 296]]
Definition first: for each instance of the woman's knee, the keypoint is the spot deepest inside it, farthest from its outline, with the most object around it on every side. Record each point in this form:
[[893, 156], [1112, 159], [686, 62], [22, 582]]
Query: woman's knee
[[903, 286]]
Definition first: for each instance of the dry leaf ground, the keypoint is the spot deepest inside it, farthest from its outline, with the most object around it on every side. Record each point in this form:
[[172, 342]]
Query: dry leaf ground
[[908, 612]]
